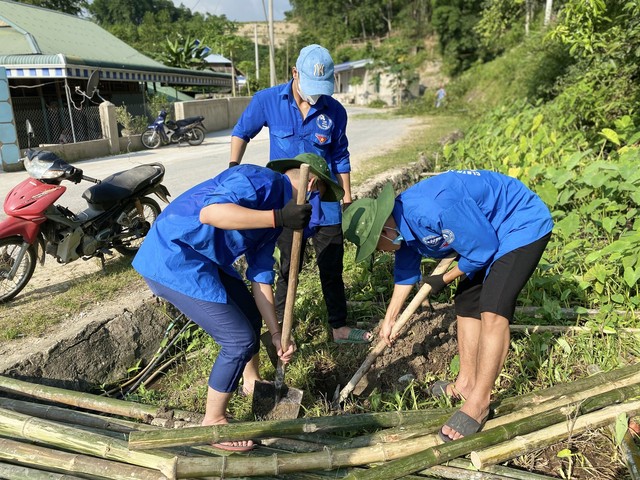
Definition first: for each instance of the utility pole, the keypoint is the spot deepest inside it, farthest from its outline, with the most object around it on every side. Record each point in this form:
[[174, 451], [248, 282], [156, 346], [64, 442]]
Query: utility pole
[[255, 41], [272, 56]]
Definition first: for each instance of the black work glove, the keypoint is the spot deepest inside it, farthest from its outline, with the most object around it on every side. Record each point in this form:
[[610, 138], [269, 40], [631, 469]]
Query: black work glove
[[292, 216], [233, 164], [437, 283]]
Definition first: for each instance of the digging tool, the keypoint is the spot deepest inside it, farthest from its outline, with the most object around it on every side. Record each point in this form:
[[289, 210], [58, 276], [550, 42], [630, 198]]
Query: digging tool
[[422, 294], [274, 401]]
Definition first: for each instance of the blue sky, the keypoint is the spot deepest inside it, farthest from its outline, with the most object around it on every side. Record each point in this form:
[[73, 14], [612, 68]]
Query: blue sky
[[238, 10]]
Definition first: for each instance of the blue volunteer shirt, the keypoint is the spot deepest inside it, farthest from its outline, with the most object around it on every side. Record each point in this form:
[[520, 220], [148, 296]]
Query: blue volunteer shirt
[[322, 132], [184, 254], [481, 215]]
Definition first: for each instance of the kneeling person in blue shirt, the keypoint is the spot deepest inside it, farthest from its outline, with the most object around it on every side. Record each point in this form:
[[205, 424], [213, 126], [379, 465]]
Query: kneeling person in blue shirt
[[498, 228], [188, 256]]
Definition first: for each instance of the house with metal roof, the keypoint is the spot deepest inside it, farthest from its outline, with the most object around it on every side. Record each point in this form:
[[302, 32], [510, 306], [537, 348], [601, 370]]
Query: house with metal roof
[[50, 57]]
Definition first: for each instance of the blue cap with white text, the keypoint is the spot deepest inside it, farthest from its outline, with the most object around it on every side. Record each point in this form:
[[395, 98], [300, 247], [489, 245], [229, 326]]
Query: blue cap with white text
[[315, 70]]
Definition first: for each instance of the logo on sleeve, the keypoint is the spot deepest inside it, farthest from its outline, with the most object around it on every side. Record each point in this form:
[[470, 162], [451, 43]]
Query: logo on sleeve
[[449, 237], [321, 138], [432, 241], [324, 122]]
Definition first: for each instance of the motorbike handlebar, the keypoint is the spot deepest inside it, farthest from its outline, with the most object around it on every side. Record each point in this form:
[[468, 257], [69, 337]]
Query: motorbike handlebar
[[91, 179]]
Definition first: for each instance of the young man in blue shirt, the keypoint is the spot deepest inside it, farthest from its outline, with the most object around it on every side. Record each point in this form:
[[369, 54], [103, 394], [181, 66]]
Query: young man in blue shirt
[[499, 230], [303, 117], [188, 259]]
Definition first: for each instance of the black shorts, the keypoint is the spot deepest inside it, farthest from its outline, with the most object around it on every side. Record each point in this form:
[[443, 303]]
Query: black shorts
[[499, 291]]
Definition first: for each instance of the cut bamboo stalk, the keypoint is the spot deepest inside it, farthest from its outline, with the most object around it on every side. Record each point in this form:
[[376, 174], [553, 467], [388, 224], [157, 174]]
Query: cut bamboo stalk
[[77, 440], [35, 456], [631, 454], [572, 312], [88, 401], [280, 464], [625, 374], [512, 409], [523, 444], [566, 329], [506, 472], [463, 446], [398, 328], [73, 417], [453, 473], [271, 428], [397, 434], [18, 472]]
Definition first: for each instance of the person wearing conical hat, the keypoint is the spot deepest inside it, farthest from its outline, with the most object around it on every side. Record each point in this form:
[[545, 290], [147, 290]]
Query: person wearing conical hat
[[498, 228]]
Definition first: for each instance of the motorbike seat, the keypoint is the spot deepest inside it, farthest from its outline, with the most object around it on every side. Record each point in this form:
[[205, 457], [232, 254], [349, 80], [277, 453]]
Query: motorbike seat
[[122, 185], [188, 121]]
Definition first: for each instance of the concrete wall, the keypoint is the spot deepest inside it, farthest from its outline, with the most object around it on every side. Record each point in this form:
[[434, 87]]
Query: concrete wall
[[218, 113]]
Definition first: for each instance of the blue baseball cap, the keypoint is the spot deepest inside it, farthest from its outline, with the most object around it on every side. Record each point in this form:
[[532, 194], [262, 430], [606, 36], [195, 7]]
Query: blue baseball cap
[[315, 70]]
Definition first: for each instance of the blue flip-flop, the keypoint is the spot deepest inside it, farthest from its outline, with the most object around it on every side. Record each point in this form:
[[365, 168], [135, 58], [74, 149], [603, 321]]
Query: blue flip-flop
[[463, 424], [356, 335]]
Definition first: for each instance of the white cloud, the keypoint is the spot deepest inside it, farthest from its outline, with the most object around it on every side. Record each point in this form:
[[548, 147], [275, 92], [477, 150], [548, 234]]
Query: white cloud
[[238, 10]]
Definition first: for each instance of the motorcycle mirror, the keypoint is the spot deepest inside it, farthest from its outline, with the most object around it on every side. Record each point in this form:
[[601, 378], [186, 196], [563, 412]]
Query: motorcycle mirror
[[30, 133]]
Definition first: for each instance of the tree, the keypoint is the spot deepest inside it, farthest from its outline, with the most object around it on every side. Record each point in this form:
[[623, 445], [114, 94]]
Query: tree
[[114, 12], [73, 7], [185, 53]]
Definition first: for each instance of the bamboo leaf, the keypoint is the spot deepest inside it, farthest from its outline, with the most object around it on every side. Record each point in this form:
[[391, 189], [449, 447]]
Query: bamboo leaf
[[622, 425]]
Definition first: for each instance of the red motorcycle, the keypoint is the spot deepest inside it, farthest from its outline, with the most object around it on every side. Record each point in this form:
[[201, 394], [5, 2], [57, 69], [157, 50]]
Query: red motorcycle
[[118, 216]]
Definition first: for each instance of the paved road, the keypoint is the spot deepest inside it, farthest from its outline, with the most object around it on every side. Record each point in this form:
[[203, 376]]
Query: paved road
[[186, 166]]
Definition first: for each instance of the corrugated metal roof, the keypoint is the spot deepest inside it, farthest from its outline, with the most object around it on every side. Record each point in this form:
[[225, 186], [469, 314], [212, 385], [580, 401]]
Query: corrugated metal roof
[[343, 67], [34, 34]]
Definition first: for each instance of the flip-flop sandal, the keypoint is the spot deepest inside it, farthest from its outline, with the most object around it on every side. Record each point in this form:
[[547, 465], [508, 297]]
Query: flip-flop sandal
[[233, 448], [463, 424], [439, 390], [356, 335]]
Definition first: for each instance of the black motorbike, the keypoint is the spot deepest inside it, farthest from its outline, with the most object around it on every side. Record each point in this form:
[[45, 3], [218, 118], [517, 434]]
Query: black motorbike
[[163, 131]]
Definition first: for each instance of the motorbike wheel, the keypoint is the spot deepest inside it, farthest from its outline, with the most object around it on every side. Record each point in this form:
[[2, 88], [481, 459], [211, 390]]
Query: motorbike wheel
[[133, 236], [195, 136], [9, 248], [151, 139]]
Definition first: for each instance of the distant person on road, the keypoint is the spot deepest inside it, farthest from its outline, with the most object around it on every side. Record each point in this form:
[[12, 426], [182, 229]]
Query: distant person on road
[[188, 259], [499, 230], [302, 116], [441, 93]]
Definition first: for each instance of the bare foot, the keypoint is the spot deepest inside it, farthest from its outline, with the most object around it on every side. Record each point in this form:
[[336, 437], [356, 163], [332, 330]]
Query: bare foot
[[231, 445]]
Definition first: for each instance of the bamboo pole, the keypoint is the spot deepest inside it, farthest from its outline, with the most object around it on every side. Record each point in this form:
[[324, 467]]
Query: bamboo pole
[[631, 454], [139, 411], [73, 417], [398, 328], [447, 451], [35, 456], [18, 472], [626, 374], [289, 463], [270, 428], [505, 472], [567, 329], [523, 444], [77, 440], [572, 312]]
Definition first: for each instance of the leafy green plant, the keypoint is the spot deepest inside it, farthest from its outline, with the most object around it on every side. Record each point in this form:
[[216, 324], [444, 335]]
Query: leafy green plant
[[131, 124]]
